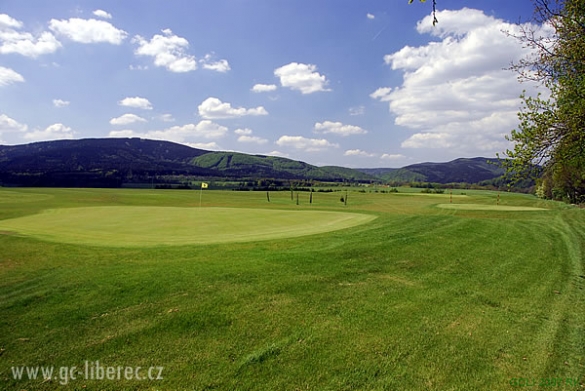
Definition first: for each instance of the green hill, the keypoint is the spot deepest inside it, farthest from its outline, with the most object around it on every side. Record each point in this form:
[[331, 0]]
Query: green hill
[[463, 170], [233, 164], [113, 162]]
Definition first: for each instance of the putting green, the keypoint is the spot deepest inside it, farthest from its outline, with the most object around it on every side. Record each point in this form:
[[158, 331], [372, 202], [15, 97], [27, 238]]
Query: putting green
[[503, 208], [123, 226]]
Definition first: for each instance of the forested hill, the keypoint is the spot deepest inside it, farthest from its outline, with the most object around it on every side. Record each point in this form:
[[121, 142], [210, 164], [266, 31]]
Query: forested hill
[[463, 170], [112, 162]]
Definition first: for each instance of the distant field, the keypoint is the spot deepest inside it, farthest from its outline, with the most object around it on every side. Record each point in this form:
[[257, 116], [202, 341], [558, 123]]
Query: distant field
[[393, 291]]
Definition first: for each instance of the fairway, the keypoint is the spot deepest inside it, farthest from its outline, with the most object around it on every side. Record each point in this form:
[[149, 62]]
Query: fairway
[[384, 292], [122, 226], [503, 208]]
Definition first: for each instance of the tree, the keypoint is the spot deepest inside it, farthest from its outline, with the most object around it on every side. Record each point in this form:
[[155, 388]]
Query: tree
[[550, 139], [435, 21]]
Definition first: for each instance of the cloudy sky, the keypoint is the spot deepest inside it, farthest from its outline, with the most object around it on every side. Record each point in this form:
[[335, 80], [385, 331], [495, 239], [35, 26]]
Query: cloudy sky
[[355, 83]]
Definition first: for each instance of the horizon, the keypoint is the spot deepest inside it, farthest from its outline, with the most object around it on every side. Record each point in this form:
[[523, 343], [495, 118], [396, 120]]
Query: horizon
[[253, 154], [350, 84]]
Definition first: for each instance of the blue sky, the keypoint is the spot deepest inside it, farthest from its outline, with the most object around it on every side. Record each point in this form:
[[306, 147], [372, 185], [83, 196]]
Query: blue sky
[[361, 83]]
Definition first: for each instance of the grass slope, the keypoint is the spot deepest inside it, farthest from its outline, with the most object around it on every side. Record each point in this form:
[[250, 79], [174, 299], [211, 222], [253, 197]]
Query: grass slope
[[422, 298]]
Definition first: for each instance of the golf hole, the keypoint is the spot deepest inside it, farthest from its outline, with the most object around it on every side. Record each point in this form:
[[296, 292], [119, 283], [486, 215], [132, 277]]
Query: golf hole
[[128, 226]]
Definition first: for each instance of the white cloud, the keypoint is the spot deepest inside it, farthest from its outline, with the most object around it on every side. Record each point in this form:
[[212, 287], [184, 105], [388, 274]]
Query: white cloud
[[204, 129], [371, 16], [208, 146], [338, 128], [388, 156], [168, 50], [102, 14], [136, 102], [264, 87], [382, 93], [166, 118], [277, 153], [23, 43], [7, 21], [218, 66], [307, 144], [301, 77], [358, 152], [357, 110], [126, 133], [212, 108], [88, 30], [179, 134], [456, 93], [137, 67], [242, 132], [8, 76], [126, 119], [8, 124], [246, 137], [60, 103], [252, 139], [53, 132]]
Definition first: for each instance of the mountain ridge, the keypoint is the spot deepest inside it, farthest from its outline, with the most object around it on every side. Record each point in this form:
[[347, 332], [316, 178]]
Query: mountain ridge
[[113, 162]]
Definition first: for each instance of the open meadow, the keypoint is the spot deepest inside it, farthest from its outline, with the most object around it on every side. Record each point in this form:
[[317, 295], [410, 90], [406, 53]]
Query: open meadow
[[393, 291]]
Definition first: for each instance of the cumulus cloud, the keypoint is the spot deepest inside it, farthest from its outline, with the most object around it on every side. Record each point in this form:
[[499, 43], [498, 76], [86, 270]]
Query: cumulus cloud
[[301, 77], [8, 124], [388, 156], [358, 152], [212, 108], [60, 103], [102, 14], [8, 76], [88, 30], [186, 134], [307, 144], [371, 16], [456, 92], [169, 51], [166, 118], [54, 132], [8, 21], [382, 94], [277, 153], [136, 102], [338, 128], [26, 44], [221, 66], [126, 119], [264, 87], [245, 136], [208, 146]]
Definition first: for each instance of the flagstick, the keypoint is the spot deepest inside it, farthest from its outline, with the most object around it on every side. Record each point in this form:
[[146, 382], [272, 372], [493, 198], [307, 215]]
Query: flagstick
[[200, 195]]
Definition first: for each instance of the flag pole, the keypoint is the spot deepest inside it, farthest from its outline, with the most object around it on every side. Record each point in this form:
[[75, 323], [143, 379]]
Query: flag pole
[[203, 186]]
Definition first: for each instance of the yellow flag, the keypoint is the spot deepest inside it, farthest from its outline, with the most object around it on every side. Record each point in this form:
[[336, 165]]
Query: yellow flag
[[204, 185]]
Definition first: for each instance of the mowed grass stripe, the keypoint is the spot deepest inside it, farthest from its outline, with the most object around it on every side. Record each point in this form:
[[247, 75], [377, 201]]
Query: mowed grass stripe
[[146, 225]]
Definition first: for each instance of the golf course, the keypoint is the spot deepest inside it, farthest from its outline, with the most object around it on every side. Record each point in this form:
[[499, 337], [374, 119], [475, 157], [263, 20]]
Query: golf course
[[347, 290]]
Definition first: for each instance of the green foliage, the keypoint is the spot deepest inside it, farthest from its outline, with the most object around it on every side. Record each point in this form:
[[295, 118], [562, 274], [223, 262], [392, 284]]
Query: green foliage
[[552, 130]]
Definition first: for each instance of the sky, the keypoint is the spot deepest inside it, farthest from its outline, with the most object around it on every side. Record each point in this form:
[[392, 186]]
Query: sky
[[353, 83]]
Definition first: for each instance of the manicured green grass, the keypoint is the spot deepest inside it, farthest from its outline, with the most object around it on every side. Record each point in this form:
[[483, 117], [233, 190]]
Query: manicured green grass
[[420, 298], [488, 207], [124, 226]]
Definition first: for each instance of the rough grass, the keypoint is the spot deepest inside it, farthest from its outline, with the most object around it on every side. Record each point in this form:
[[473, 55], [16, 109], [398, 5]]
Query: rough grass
[[420, 298]]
